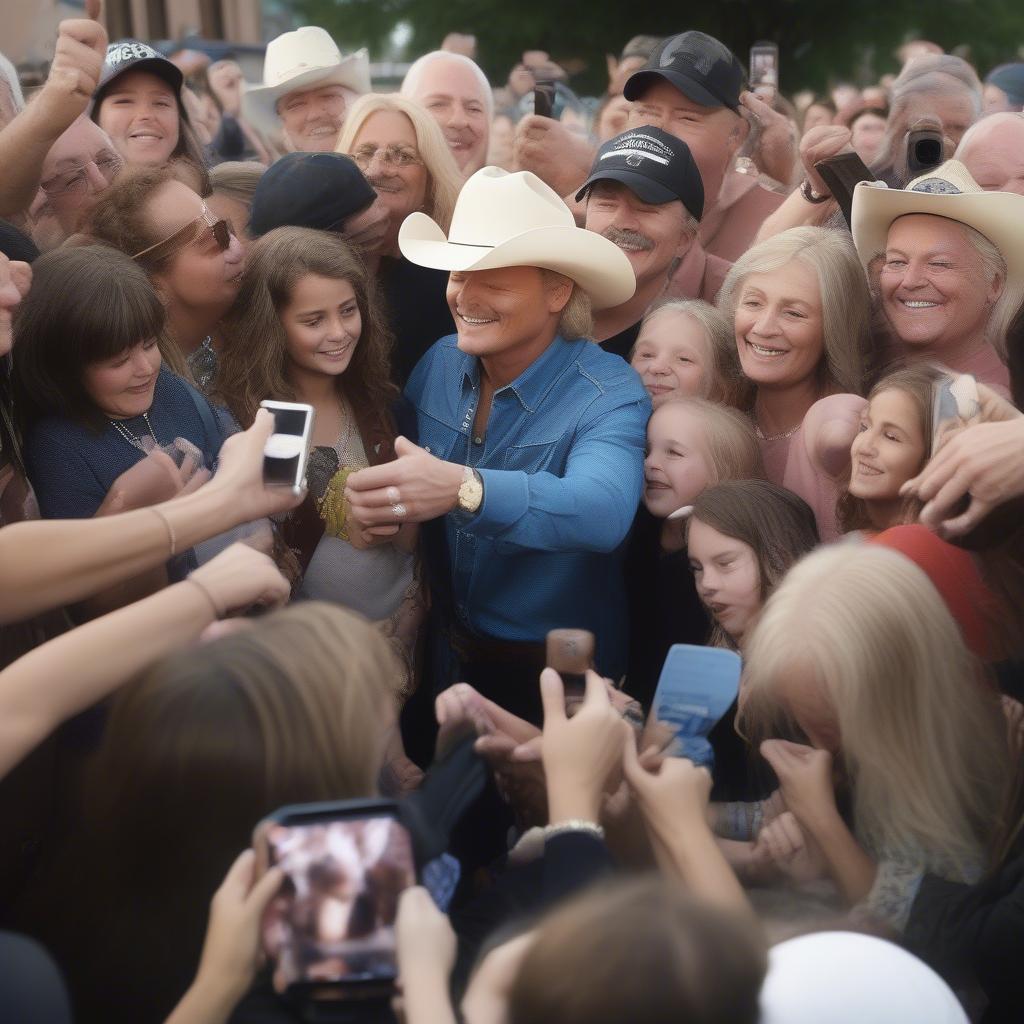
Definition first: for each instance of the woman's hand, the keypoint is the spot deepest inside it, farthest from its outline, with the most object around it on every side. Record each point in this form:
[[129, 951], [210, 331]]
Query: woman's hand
[[425, 942], [777, 145], [486, 998], [784, 845], [152, 480], [673, 793], [819, 144], [231, 952], [240, 577], [984, 462], [579, 753], [805, 777]]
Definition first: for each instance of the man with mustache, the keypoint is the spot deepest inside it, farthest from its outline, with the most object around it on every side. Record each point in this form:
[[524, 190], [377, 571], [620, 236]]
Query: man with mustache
[[645, 194]]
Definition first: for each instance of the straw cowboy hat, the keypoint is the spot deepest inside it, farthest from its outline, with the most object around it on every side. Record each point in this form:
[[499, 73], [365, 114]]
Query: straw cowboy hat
[[304, 59], [947, 191], [515, 220]]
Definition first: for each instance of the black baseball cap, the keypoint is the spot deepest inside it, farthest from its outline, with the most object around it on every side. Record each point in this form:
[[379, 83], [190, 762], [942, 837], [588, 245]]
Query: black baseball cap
[[131, 55], [657, 166], [698, 65], [309, 190]]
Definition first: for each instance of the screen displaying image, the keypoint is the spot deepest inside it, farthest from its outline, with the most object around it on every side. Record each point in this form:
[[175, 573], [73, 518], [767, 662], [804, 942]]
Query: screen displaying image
[[333, 920]]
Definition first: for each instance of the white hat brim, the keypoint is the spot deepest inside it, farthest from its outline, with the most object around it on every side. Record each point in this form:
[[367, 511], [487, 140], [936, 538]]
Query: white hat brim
[[999, 216], [259, 102], [598, 266]]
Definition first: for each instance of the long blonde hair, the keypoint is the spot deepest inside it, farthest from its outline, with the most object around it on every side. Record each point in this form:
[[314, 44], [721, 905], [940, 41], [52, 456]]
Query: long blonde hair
[[729, 438], [923, 742], [444, 179], [848, 358]]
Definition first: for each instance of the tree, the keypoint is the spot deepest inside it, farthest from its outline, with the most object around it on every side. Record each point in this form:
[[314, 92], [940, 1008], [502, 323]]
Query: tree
[[819, 41]]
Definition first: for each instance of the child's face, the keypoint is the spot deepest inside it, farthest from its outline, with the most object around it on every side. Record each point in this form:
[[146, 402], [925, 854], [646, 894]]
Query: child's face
[[673, 357], [677, 467], [889, 447], [727, 576], [322, 324]]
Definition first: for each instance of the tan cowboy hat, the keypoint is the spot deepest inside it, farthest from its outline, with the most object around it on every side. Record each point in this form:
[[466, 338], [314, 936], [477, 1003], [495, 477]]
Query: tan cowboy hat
[[947, 191], [515, 220], [303, 59]]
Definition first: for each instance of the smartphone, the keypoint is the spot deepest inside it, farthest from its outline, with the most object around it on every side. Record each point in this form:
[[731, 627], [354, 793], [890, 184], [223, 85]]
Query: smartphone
[[332, 925], [544, 97], [842, 173], [764, 70], [696, 688], [287, 450], [570, 652]]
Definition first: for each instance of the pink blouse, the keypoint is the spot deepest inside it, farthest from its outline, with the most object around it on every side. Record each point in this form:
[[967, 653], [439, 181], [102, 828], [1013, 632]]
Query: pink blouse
[[811, 461]]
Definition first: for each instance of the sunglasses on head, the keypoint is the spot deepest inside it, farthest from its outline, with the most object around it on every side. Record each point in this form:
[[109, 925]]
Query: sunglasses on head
[[187, 234]]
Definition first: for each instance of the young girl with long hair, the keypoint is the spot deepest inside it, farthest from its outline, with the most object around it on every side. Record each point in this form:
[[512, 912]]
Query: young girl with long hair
[[307, 328], [857, 653]]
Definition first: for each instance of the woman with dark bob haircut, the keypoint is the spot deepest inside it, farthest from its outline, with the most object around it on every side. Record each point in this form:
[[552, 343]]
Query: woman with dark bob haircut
[[91, 394]]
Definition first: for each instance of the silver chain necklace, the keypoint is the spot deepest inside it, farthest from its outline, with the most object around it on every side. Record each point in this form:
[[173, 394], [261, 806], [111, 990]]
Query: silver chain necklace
[[136, 442], [775, 437]]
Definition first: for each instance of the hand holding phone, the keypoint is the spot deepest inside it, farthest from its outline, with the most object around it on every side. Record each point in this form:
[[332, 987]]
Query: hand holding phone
[[332, 923], [570, 652], [764, 70], [287, 450]]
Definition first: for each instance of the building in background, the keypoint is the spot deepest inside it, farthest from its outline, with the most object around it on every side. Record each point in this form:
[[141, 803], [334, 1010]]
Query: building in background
[[30, 26]]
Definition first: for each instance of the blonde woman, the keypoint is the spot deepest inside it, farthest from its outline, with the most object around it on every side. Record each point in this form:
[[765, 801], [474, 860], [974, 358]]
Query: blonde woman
[[401, 150], [800, 311], [857, 651]]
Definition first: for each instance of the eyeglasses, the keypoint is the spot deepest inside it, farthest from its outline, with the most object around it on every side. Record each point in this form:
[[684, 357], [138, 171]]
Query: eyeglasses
[[188, 233], [76, 180], [397, 156]]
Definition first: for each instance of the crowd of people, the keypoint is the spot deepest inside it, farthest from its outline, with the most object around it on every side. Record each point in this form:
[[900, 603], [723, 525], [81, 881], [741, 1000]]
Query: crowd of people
[[644, 365]]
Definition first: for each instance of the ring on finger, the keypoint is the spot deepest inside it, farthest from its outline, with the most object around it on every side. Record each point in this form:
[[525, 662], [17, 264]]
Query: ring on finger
[[398, 510]]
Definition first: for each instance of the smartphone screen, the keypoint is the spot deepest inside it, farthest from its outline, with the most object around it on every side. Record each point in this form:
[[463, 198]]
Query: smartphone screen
[[764, 70], [287, 450], [333, 921], [696, 687]]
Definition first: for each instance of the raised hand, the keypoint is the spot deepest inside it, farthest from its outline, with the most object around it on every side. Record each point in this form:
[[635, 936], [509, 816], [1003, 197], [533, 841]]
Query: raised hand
[[240, 577], [819, 144], [777, 145], [790, 850], [805, 777], [76, 69]]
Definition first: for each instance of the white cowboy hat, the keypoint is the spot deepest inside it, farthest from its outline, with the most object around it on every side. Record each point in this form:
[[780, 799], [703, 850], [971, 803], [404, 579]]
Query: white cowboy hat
[[515, 220], [303, 59], [947, 191]]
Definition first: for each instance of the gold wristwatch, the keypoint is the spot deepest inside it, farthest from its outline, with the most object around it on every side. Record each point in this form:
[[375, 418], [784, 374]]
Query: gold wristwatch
[[471, 491]]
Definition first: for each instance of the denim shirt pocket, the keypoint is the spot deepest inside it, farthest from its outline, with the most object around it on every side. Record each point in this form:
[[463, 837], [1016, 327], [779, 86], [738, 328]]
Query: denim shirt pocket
[[538, 456], [436, 435]]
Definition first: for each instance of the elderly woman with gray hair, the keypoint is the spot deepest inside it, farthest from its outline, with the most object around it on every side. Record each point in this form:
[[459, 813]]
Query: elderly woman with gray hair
[[946, 263]]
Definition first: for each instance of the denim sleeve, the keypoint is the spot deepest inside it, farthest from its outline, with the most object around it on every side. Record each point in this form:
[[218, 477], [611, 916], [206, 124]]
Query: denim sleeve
[[590, 507]]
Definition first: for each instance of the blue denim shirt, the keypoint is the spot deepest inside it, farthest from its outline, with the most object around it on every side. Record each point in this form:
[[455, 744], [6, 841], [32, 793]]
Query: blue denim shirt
[[562, 467]]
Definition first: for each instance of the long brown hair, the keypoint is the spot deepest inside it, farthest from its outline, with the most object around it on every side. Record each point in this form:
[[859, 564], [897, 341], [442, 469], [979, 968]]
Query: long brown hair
[[778, 524], [195, 753], [665, 957], [252, 364], [917, 383]]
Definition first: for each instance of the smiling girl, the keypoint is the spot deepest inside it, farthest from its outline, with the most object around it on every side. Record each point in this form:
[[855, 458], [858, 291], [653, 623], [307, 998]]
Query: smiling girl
[[800, 310], [307, 328]]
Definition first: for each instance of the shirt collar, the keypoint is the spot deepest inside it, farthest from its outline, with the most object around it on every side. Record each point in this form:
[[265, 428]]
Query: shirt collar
[[533, 384]]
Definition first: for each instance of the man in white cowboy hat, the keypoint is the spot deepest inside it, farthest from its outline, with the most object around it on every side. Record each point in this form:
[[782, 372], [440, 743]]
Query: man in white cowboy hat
[[947, 262], [531, 451], [307, 85]]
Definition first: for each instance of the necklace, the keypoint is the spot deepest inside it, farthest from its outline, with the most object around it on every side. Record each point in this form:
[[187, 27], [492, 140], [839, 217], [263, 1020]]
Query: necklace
[[136, 442], [775, 437]]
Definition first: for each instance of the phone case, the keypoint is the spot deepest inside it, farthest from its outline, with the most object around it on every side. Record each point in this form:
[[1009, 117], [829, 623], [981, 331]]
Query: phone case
[[696, 687]]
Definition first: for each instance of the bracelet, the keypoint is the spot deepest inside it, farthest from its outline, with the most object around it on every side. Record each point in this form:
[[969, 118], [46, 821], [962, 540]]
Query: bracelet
[[809, 195], [217, 613], [574, 825], [170, 529]]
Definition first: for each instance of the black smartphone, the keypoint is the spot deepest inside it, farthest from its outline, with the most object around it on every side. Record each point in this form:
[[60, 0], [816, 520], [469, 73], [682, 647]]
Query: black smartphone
[[331, 928], [764, 70], [287, 450], [842, 173], [544, 97]]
